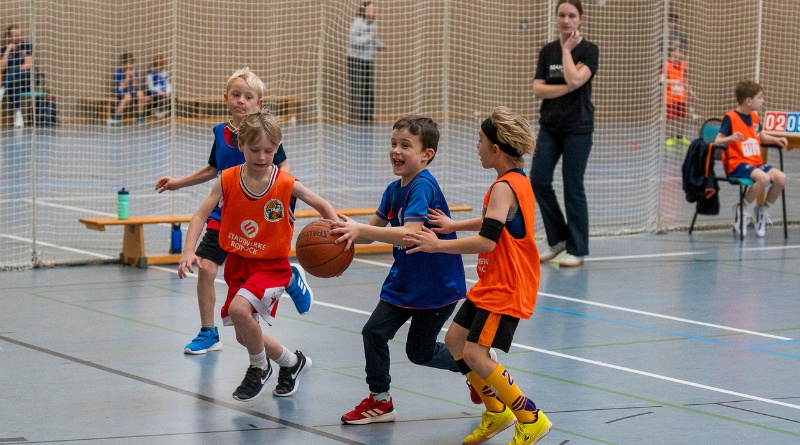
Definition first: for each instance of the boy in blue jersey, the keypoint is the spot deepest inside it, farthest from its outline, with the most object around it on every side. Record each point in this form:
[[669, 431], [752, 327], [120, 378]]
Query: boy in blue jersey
[[423, 287], [127, 87], [243, 95]]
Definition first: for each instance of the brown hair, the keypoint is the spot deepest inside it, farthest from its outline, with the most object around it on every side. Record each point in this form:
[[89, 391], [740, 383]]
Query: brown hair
[[746, 89], [575, 3], [424, 127], [258, 123]]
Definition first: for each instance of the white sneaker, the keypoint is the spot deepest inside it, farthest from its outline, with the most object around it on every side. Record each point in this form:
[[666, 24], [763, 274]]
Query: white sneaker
[[571, 260], [748, 220], [2, 93], [762, 220], [552, 252], [19, 122]]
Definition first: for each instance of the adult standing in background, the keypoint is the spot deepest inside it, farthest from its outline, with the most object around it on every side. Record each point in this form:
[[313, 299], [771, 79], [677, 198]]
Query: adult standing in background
[[16, 58], [362, 44], [566, 121]]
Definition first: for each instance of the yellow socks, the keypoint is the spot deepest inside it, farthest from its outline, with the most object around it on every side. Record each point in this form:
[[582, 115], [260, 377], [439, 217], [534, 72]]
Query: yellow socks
[[508, 392]]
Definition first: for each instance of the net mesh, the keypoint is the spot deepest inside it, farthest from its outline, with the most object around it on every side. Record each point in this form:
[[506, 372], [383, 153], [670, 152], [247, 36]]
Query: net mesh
[[453, 61]]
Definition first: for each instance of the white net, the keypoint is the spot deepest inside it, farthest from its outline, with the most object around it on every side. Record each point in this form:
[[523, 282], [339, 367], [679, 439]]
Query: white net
[[451, 60]]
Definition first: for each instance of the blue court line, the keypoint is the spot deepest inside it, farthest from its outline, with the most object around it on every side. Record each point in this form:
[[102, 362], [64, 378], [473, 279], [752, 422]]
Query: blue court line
[[753, 348], [780, 342]]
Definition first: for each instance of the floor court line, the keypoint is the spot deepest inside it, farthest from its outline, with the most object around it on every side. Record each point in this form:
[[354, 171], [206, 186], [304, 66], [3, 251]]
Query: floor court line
[[596, 362]]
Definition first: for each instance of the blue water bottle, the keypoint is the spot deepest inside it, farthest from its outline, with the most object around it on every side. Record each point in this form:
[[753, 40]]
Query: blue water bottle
[[177, 238], [123, 205]]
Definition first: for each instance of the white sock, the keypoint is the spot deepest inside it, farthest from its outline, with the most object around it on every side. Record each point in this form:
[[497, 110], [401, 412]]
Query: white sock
[[260, 360], [287, 359], [381, 396], [748, 206]]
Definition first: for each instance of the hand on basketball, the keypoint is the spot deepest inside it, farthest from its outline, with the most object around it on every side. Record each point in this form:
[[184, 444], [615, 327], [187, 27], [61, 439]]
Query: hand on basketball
[[347, 229], [185, 264], [424, 241], [166, 183], [443, 223]]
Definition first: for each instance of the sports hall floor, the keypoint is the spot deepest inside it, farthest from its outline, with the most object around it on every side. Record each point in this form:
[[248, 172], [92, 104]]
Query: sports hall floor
[[657, 339]]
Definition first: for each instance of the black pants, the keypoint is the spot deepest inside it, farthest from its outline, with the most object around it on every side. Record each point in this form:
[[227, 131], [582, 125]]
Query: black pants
[[574, 149], [422, 348], [362, 97]]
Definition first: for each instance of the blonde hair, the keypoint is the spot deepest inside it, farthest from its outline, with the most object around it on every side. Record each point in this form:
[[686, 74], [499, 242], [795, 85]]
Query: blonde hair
[[514, 130], [257, 124], [250, 79]]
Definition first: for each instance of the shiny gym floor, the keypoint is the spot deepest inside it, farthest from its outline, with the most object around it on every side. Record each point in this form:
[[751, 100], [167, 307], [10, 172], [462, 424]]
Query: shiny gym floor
[[657, 339]]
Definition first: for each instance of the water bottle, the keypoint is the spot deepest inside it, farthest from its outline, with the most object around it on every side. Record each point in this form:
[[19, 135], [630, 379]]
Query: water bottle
[[175, 245], [123, 205]]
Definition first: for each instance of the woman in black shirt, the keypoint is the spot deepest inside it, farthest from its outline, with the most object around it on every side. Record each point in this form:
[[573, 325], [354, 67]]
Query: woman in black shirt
[[566, 119]]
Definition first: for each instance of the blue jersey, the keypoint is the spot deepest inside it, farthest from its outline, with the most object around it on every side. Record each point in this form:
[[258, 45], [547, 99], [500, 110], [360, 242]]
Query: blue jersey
[[422, 280], [157, 82], [225, 154], [131, 88]]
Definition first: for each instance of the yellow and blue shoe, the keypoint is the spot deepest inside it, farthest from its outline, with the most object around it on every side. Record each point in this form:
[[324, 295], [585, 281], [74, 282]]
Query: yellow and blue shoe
[[530, 433], [491, 424]]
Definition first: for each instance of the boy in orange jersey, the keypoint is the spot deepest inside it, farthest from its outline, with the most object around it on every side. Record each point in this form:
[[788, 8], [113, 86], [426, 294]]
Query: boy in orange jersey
[[508, 272], [741, 131], [674, 74], [257, 226]]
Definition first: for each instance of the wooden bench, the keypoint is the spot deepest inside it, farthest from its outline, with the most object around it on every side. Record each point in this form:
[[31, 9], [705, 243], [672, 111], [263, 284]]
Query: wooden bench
[[133, 251], [96, 108], [198, 107]]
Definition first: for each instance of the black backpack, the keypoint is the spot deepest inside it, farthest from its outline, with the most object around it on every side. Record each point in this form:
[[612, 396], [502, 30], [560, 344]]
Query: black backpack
[[699, 180]]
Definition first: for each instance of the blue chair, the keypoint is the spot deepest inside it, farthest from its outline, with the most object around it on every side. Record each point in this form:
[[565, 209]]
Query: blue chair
[[708, 132]]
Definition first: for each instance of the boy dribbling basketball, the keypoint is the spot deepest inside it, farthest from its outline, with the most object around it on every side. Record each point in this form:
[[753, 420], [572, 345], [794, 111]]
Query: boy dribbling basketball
[[256, 232], [508, 272], [243, 95], [424, 288]]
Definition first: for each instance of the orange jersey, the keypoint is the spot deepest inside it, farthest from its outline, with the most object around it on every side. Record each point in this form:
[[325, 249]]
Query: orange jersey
[[257, 227], [747, 151], [508, 276], [676, 92]]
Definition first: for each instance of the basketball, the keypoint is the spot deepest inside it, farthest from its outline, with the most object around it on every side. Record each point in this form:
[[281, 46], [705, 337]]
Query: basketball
[[318, 253]]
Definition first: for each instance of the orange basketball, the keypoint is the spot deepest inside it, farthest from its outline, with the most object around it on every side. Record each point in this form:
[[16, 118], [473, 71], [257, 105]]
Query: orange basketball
[[318, 253]]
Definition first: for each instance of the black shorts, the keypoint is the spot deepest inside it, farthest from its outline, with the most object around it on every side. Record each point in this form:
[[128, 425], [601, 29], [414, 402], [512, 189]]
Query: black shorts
[[486, 328], [209, 247]]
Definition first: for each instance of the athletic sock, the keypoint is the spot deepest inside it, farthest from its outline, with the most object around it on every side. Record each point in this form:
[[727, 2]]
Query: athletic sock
[[208, 326], [381, 396], [287, 359], [260, 360], [508, 392], [488, 396]]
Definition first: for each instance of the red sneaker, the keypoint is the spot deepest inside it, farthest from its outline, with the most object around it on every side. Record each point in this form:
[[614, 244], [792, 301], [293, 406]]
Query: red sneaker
[[371, 411], [473, 394]]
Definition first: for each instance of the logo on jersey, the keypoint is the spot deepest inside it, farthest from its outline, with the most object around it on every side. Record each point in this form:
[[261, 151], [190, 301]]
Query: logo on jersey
[[249, 228], [273, 210]]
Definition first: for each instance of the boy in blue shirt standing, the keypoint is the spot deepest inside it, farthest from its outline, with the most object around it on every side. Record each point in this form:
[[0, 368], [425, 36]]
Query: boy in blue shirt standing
[[423, 287]]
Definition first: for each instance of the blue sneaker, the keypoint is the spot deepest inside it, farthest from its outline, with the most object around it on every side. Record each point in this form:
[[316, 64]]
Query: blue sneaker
[[301, 294], [207, 340]]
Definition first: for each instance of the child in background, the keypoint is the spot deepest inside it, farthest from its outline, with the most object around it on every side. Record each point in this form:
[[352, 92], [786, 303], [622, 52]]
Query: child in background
[[508, 272], [243, 95], [741, 131], [674, 74], [424, 288], [256, 231], [127, 87], [159, 89]]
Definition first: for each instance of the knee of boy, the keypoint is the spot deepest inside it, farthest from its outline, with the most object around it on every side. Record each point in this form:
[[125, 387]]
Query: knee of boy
[[417, 355]]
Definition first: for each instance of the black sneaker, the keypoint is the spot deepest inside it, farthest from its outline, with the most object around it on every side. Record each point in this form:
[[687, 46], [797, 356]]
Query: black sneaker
[[255, 380], [288, 377]]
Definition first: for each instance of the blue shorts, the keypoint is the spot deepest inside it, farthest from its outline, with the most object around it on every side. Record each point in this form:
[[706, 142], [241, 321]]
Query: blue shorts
[[744, 170]]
